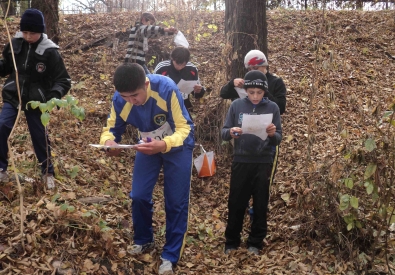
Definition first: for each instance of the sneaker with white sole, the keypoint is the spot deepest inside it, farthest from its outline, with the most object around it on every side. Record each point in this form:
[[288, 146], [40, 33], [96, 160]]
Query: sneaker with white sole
[[49, 179], [3, 176], [166, 268], [140, 249]]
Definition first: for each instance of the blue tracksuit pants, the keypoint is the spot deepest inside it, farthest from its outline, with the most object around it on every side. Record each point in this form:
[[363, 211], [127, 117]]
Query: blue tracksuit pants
[[177, 179], [37, 133]]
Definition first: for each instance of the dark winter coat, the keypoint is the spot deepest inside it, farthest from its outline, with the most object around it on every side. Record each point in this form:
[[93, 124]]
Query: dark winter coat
[[42, 74]]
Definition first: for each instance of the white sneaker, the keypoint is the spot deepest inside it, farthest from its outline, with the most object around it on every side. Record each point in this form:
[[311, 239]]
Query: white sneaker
[[3, 176], [49, 180], [166, 267]]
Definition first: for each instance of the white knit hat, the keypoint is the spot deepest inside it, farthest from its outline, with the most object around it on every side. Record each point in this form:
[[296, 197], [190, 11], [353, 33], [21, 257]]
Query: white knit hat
[[255, 58]]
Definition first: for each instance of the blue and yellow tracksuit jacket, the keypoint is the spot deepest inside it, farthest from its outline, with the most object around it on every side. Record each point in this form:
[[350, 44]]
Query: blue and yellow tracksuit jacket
[[163, 105]]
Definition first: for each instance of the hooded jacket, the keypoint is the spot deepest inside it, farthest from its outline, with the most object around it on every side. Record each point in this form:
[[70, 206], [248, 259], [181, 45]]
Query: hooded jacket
[[249, 148], [42, 74]]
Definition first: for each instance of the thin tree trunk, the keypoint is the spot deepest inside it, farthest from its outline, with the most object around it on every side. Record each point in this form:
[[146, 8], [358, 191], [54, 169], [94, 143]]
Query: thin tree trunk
[[359, 4], [11, 11], [50, 9]]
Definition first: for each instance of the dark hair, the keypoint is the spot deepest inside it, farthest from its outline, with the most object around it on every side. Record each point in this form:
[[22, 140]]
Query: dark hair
[[148, 16], [180, 55], [129, 77]]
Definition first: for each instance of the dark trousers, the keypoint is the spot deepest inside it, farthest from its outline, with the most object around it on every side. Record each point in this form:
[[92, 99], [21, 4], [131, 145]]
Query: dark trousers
[[248, 180], [37, 133]]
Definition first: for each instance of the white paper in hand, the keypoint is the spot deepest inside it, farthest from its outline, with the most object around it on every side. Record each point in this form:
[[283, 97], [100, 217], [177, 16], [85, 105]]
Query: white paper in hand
[[186, 87], [180, 40], [118, 146], [256, 124], [241, 92]]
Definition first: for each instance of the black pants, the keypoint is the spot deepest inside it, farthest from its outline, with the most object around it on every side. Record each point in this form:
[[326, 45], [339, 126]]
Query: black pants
[[248, 179], [37, 132]]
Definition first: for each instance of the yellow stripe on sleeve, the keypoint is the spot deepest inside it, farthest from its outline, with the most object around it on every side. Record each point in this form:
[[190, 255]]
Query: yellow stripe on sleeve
[[125, 111], [182, 129], [106, 134], [159, 101]]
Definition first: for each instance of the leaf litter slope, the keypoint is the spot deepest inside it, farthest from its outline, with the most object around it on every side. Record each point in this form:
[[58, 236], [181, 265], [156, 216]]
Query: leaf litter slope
[[86, 225]]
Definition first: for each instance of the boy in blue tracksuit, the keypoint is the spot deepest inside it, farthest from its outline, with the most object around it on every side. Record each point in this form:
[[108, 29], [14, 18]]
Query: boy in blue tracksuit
[[154, 105], [252, 167]]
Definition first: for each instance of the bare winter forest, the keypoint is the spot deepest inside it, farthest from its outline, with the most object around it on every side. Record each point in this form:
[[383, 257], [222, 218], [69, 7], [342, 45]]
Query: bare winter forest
[[331, 207]]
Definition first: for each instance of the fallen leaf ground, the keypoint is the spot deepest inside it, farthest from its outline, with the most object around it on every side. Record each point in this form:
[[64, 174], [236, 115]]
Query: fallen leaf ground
[[67, 234]]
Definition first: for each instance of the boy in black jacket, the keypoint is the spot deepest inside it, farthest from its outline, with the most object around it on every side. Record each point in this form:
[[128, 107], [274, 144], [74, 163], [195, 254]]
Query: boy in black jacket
[[256, 60], [42, 76], [252, 166], [179, 68]]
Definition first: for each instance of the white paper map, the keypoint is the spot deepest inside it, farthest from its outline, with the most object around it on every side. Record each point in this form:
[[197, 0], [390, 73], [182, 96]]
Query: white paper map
[[186, 87], [241, 92], [256, 124], [180, 40], [118, 146]]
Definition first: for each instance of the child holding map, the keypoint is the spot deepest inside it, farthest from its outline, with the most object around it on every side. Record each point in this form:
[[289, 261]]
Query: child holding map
[[251, 171]]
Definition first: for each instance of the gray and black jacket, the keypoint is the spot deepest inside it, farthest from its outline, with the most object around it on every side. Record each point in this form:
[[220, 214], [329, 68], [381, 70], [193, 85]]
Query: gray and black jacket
[[249, 148], [138, 41], [42, 74]]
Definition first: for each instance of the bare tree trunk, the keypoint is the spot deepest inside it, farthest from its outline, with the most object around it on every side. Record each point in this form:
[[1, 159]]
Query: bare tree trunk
[[24, 5], [11, 11], [50, 9], [359, 4], [110, 5], [245, 30]]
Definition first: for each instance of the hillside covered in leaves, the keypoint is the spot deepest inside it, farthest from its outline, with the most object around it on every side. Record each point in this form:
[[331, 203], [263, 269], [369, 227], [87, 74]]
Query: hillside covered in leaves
[[331, 206]]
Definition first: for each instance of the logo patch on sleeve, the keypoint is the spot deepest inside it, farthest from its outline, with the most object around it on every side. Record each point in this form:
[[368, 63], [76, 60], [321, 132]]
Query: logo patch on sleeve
[[240, 120], [160, 119], [40, 67]]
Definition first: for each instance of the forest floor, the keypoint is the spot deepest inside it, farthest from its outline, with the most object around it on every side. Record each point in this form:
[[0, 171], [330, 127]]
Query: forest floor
[[353, 73]]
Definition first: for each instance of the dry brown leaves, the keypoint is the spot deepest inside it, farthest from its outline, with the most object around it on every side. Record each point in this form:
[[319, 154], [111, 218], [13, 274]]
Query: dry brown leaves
[[75, 236]]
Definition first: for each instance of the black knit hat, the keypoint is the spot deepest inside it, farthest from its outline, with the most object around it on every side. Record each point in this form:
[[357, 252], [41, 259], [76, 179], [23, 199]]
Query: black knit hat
[[255, 79], [32, 21]]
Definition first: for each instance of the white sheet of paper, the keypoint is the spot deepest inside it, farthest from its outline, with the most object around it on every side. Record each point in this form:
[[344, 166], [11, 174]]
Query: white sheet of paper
[[256, 124], [242, 92], [180, 40], [186, 87], [118, 146]]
